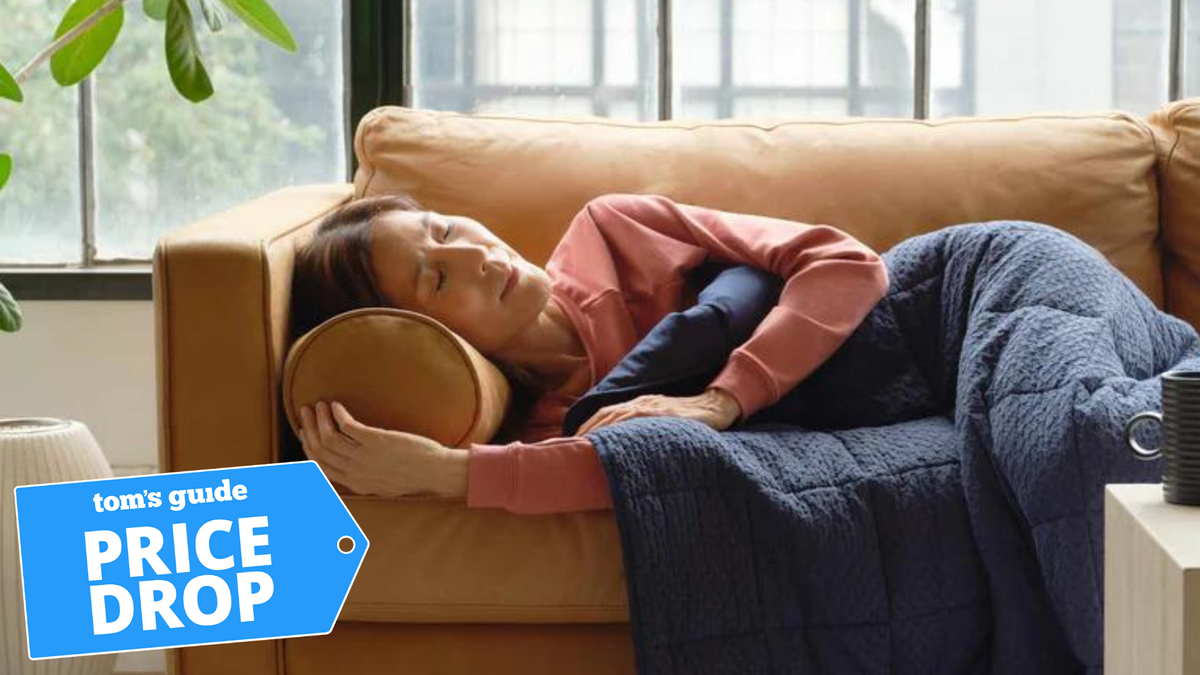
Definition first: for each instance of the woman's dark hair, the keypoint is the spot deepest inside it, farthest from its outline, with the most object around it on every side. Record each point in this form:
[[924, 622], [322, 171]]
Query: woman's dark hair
[[333, 272]]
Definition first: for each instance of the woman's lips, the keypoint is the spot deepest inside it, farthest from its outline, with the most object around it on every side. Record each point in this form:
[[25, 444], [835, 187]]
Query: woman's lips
[[514, 273]]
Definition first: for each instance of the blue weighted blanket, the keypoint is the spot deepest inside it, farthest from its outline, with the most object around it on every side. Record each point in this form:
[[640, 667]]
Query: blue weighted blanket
[[929, 500]]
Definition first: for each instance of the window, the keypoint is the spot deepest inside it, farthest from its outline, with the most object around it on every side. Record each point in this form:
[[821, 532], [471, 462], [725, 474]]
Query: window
[[40, 206], [101, 170], [602, 57], [1191, 48], [1046, 55], [760, 58], [741, 58], [565, 57]]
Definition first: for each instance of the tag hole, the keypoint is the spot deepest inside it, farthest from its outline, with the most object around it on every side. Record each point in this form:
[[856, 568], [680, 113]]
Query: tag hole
[[346, 545]]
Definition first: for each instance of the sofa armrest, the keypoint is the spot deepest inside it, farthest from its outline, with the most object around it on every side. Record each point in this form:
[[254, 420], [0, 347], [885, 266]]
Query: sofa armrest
[[222, 290]]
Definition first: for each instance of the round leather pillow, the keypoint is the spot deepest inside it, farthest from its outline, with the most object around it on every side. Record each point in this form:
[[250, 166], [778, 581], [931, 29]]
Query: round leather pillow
[[399, 370]]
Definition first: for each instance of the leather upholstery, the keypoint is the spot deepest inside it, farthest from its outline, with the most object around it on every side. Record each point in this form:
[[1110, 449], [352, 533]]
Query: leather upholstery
[[435, 561], [484, 649], [882, 180], [221, 292], [452, 590], [397, 369], [1177, 129]]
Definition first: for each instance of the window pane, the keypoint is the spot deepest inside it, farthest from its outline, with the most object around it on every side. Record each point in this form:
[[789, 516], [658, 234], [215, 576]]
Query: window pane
[[748, 106], [887, 49], [1143, 53], [992, 57], [554, 57], [621, 41], [794, 57], [275, 119], [696, 48], [698, 109], [1191, 48], [536, 105], [39, 207]]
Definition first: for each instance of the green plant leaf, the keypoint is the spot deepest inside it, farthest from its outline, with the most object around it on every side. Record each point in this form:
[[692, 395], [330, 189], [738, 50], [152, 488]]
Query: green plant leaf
[[10, 313], [214, 16], [156, 9], [80, 56], [259, 16], [5, 168], [8, 86], [183, 54]]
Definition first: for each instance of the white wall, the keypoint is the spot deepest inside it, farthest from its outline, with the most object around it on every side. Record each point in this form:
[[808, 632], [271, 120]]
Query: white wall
[[89, 361], [92, 362]]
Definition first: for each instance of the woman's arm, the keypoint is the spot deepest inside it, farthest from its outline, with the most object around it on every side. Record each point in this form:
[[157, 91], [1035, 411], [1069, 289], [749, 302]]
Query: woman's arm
[[563, 473], [557, 475], [552, 476], [832, 280], [368, 460]]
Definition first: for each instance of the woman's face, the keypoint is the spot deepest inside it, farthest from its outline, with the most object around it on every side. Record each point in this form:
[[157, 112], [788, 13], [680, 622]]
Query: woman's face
[[455, 270]]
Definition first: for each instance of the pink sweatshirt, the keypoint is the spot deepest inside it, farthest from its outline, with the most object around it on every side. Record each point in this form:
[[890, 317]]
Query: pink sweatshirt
[[618, 270]]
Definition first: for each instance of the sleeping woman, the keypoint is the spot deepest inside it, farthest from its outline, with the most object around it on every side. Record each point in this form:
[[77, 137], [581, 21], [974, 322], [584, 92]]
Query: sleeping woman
[[618, 269]]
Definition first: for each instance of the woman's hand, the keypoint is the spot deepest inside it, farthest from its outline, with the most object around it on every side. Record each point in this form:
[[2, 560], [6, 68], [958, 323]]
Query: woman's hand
[[715, 407], [372, 461]]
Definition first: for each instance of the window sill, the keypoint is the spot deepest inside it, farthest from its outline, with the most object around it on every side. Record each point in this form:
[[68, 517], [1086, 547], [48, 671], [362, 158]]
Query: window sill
[[115, 282]]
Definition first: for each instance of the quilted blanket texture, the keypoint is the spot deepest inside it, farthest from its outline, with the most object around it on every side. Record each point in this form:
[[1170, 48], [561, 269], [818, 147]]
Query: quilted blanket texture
[[930, 500]]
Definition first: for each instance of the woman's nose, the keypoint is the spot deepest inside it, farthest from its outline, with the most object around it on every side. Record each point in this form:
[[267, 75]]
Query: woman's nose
[[474, 257]]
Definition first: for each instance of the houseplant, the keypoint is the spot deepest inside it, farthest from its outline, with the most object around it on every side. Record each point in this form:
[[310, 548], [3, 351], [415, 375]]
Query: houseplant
[[87, 31]]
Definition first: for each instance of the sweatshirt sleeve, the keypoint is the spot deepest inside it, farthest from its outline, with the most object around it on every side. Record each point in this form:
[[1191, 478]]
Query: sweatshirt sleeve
[[556, 475], [832, 281]]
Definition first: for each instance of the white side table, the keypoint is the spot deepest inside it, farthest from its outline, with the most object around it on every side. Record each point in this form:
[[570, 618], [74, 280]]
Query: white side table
[[1151, 583]]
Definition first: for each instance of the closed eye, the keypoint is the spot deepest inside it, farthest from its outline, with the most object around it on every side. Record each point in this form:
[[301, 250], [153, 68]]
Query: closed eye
[[441, 271]]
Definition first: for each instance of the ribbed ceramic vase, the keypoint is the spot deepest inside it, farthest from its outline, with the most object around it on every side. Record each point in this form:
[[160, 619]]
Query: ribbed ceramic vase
[[39, 450]]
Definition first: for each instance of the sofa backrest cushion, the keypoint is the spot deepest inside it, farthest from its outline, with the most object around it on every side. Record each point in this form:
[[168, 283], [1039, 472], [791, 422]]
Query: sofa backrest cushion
[[1177, 128], [882, 180]]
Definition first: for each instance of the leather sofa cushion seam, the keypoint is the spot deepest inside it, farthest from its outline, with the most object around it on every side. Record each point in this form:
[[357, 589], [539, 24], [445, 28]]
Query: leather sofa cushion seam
[[681, 124]]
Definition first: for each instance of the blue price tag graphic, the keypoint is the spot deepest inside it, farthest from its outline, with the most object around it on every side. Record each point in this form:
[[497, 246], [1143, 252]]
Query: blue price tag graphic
[[182, 559]]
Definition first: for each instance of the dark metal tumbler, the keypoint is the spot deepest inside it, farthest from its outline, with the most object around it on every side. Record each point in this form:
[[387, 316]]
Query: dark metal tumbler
[[1180, 420]]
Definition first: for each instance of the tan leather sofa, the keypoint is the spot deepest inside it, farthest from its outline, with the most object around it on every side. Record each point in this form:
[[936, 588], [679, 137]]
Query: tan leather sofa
[[449, 590]]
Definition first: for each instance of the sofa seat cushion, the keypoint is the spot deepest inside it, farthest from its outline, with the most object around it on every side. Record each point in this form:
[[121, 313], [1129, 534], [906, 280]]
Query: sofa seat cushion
[[433, 561], [469, 649]]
